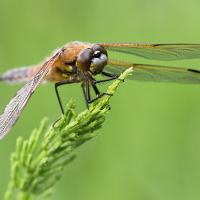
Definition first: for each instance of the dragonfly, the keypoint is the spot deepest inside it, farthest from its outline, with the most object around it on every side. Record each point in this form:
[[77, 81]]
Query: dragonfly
[[80, 62]]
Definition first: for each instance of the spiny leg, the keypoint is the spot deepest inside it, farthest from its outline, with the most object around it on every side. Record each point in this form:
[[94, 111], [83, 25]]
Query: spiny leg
[[86, 91], [57, 85], [93, 82], [97, 92], [107, 74], [58, 97]]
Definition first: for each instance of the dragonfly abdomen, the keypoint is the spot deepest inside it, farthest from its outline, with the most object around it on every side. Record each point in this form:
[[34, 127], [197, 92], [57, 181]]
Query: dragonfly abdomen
[[18, 75]]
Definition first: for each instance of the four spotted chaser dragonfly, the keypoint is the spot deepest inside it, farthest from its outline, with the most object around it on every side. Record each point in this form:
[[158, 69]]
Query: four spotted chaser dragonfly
[[81, 62]]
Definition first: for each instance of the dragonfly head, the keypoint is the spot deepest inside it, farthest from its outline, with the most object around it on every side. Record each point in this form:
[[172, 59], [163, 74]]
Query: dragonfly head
[[92, 59]]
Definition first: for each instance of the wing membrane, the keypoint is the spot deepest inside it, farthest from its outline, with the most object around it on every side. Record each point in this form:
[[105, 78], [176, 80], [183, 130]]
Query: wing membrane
[[20, 75], [156, 73], [157, 51], [17, 104]]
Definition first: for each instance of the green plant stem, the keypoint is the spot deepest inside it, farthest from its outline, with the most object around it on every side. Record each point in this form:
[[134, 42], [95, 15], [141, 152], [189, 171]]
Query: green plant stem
[[23, 196], [39, 161]]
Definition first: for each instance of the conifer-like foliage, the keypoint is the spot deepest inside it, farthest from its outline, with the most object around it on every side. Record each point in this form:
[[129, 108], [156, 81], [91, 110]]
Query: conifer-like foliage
[[39, 161]]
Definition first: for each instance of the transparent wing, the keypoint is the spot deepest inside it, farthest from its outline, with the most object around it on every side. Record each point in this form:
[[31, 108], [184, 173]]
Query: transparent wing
[[17, 104], [157, 51], [155, 73], [20, 74]]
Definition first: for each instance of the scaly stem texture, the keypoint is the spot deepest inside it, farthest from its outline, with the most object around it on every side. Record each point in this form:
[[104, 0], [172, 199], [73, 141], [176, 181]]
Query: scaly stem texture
[[39, 161]]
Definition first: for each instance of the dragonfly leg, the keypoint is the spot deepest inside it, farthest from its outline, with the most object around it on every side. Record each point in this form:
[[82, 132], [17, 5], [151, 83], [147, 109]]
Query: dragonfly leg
[[109, 74], [99, 96], [111, 77], [57, 85], [97, 92], [116, 76], [86, 91]]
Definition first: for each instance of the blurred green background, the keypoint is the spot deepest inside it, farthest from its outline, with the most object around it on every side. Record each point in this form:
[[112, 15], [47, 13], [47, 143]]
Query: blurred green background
[[149, 146]]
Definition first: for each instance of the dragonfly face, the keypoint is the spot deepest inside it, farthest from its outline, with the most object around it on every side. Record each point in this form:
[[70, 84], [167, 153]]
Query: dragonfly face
[[80, 62], [92, 59]]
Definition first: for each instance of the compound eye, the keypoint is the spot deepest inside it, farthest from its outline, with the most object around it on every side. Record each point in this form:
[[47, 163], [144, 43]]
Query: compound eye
[[99, 49], [84, 59], [97, 54], [100, 59]]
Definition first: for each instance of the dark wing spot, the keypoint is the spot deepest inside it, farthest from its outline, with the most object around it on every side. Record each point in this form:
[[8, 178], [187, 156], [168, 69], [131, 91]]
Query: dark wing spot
[[194, 70]]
